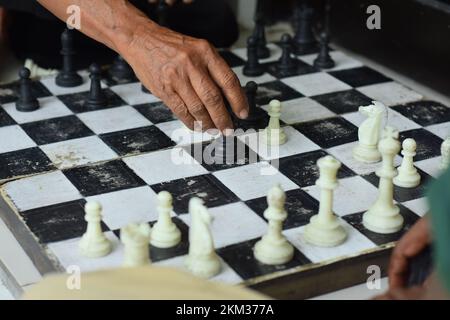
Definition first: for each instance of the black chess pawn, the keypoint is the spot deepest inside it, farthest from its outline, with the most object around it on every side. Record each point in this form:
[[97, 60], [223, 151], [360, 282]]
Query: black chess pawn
[[286, 65], [121, 70], [257, 117], [68, 77], [304, 40], [324, 60], [252, 67], [260, 35], [96, 98], [27, 102]]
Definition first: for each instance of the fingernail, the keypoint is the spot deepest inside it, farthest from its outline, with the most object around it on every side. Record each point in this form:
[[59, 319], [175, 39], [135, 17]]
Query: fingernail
[[243, 114]]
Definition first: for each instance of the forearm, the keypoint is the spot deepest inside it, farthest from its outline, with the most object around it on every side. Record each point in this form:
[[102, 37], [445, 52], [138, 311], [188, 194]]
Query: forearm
[[111, 22]]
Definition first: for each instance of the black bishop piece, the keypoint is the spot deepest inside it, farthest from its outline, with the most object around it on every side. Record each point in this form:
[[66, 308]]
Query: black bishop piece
[[68, 77], [27, 102]]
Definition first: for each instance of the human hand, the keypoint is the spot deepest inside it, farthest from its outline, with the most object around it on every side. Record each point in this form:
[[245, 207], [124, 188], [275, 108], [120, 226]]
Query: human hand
[[409, 246], [187, 74]]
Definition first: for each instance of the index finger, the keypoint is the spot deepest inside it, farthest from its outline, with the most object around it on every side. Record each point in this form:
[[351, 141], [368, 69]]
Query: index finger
[[227, 80]]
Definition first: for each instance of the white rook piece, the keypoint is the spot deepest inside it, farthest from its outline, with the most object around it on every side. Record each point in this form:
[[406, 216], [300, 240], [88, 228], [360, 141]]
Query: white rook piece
[[408, 177], [384, 216], [165, 233], [445, 153], [273, 248], [274, 135], [135, 238], [369, 133], [202, 260], [93, 243], [324, 229]]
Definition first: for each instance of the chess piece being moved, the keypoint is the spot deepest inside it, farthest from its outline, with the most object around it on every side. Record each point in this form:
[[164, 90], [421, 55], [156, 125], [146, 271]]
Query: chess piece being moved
[[384, 216], [68, 77], [287, 65], [369, 133], [304, 41], [273, 248], [257, 117], [324, 60], [121, 70], [408, 177], [202, 260], [274, 135], [252, 67], [94, 243], [324, 229], [260, 35], [445, 153], [96, 98], [26, 102], [135, 238], [165, 233]]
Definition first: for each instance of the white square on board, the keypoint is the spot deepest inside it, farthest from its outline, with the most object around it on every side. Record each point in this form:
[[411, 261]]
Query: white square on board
[[316, 83]]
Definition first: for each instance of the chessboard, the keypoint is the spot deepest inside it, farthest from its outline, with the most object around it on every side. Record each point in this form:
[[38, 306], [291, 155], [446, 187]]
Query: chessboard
[[55, 159]]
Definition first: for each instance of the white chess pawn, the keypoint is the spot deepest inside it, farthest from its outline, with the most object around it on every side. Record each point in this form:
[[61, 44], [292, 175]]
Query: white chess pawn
[[384, 216], [165, 233], [202, 260], [94, 243], [368, 133], [274, 135], [445, 153], [324, 228], [408, 177], [273, 248], [135, 238]]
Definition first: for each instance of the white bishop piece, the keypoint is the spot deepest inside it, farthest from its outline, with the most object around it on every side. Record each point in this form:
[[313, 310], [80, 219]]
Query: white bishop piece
[[274, 135], [408, 177], [135, 238], [384, 216], [165, 233], [324, 229], [202, 260], [93, 243], [273, 248]]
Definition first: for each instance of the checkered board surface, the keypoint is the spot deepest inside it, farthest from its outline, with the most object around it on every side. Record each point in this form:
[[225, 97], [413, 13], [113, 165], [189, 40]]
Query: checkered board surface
[[55, 159]]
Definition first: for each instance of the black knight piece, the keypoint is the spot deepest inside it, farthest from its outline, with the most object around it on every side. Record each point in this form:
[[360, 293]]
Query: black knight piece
[[68, 77], [324, 60], [257, 117], [27, 102], [252, 67], [96, 97], [304, 41], [121, 70], [260, 34]]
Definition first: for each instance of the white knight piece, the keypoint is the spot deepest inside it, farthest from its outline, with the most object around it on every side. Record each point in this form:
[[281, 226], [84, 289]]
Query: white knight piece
[[202, 260], [273, 248], [324, 229], [369, 133]]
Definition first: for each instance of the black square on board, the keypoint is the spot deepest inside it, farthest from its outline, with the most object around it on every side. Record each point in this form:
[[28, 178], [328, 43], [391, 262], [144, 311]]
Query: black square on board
[[428, 144], [425, 112], [301, 68], [207, 187], [24, 162], [103, 178], [299, 205], [343, 101], [302, 168], [275, 90], [77, 101], [359, 77], [241, 259], [231, 59], [156, 112], [58, 222], [330, 132], [409, 217], [56, 129], [5, 119], [135, 141]]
